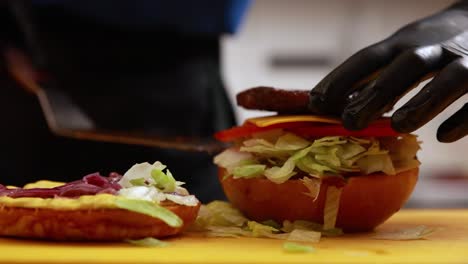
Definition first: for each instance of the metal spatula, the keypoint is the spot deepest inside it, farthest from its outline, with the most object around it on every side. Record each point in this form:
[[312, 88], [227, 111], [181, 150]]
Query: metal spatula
[[66, 119]]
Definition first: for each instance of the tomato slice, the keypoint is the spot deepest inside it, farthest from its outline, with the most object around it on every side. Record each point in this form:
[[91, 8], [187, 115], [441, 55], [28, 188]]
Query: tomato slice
[[380, 128]]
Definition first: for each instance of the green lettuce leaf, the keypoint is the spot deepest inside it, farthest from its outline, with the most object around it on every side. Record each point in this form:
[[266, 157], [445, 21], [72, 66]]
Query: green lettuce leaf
[[163, 181], [148, 242], [138, 181], [139, 170], [151, 209], [291, 247]]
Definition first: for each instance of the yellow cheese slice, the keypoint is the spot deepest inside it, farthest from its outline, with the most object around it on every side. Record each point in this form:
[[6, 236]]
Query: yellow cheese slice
[[279, 119], [43, 184]]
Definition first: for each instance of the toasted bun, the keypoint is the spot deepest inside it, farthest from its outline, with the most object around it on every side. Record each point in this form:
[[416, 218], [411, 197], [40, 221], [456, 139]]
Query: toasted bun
[[366, 201], [101, 224]]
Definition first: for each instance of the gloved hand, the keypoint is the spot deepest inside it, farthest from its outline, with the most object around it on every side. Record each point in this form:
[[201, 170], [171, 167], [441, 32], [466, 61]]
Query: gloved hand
[[371, 81]]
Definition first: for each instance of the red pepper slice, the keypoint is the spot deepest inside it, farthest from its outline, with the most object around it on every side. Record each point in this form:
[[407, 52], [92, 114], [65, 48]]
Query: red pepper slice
[[379, 128]]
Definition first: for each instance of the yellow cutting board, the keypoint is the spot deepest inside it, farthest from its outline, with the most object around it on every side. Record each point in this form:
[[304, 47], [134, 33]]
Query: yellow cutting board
[[448, 245]]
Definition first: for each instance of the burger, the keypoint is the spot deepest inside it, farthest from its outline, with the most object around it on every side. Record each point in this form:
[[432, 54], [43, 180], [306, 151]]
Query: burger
[[295, 166], [145, 202]]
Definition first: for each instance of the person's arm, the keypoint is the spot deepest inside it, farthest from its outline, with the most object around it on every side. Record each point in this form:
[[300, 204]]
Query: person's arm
[[371, 81]]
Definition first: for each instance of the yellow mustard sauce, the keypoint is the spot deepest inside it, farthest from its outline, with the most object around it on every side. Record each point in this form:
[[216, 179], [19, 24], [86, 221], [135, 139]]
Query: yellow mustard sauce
[[99, 201]]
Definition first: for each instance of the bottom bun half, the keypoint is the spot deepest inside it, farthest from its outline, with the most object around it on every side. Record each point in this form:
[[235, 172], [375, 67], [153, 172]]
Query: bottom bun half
[[366, 201], [92, 224]]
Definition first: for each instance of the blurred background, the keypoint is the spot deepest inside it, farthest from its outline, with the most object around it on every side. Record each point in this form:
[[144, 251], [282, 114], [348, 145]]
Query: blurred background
[[293, 44], [284, 44]]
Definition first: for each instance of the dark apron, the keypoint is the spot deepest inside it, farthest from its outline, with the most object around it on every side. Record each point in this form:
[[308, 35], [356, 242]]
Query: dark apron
[[153, 80]]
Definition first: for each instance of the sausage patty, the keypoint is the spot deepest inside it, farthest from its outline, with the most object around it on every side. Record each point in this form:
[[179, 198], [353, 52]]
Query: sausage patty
[[273, 99]]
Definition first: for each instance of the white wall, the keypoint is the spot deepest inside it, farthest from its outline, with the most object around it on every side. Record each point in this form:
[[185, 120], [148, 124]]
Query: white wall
[[335, 28]]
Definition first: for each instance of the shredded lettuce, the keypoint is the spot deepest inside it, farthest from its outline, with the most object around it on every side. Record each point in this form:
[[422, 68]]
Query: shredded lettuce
[[151, 209], [188, 200], [272, 223], [284, 173], [332, 204], [292, 247], [139, 171], [231, 159], [181, 190], [330, 158], [145, 174], [281, 174], [375, 163], [405, 165], [248, 171], [329, 141], [313, 187], [227, 231], [315, 169], [259, 230], [403, 147], [286, 154], [220, 219], [412, 233], [258, 142], [289, 226], [220, 213], [148, 242], [267, 151], [149, 182], [290, 141], [332, 232], [300, 235]]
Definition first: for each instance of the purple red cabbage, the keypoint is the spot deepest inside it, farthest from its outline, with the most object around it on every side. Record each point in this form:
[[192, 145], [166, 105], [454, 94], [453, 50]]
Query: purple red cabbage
[[90, 184]]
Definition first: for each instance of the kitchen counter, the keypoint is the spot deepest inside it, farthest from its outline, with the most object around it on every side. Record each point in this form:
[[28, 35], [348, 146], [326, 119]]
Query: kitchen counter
[[449, 244]]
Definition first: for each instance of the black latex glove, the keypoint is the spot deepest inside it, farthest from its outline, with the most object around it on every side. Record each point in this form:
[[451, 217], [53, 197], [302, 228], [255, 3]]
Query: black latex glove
[[371, 81]]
